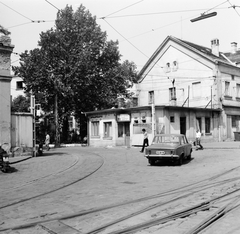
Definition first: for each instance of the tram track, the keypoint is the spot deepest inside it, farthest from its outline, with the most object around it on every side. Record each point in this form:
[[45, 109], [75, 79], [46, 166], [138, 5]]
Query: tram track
[[91, 170], [36, 180], [195, 187]]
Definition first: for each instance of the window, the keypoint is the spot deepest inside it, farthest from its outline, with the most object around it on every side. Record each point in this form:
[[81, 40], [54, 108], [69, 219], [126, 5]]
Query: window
[[238, 91], [175, 66], [19, 85], [172, 93], [207, 125], [171, 119], [151, 97], [234, 121], [107, 129], [168, 67], [95, 128], [227, 84], [196, 89]]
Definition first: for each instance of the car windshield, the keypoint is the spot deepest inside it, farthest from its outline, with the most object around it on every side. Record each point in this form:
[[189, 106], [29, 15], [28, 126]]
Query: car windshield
[[166, 140]]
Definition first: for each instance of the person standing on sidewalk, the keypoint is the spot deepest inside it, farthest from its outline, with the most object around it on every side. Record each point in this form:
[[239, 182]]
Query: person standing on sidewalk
[[198, 139], [145, 139], [47, 141]]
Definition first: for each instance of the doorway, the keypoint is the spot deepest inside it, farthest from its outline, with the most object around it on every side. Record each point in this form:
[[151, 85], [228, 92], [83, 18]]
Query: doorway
[[183, 125], [124, 132]]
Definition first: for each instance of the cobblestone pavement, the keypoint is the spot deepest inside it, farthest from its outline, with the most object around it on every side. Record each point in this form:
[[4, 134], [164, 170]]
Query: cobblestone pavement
[[125, 175]]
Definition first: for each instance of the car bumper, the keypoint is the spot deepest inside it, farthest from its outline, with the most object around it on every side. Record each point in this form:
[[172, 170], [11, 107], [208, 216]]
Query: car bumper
[[165, 156]]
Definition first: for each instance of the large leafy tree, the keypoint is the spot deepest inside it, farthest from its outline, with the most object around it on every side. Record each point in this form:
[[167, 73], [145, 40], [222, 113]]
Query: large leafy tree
[[20, 104], [75, 69]]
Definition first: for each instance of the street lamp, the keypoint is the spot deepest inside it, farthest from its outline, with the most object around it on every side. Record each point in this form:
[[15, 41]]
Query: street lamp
[[204, 16]]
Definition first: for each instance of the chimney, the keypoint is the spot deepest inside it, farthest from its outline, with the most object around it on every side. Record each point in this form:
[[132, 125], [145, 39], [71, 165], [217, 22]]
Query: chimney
[[233, 47], [215, 47]]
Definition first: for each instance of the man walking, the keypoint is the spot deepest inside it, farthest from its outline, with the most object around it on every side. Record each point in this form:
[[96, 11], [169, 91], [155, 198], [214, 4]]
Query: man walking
[[47, 141], [145, 139]]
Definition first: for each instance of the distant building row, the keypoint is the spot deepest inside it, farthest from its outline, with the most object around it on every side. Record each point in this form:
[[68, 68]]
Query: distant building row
[[182, 87]]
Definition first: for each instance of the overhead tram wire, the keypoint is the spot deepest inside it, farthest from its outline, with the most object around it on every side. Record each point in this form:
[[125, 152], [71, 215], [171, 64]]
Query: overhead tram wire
[[121, 9], [126, 39], [157, 13], [234, 7], [31, 20], [16, 11], [52, 5]]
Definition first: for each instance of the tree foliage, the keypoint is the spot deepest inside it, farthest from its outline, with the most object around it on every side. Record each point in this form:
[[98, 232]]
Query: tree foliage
[[20, 104], [76, 64]]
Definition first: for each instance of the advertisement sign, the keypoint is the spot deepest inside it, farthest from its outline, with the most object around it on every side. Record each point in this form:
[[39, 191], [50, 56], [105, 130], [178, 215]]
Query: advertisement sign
[[123, 118]]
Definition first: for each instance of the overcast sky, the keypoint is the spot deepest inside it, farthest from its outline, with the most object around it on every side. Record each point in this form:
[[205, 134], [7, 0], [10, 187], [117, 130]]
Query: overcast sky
[[140, 26]]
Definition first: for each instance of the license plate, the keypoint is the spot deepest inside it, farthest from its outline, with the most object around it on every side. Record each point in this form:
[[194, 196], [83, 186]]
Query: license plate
[[160, 152]]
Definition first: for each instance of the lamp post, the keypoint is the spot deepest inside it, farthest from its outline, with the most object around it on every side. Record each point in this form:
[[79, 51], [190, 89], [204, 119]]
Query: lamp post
[[204, 16]]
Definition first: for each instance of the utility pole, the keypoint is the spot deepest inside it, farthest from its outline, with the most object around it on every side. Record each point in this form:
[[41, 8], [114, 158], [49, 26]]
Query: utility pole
[[32, 107]]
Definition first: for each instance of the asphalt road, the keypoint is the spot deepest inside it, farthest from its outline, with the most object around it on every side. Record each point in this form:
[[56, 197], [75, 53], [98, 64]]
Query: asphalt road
[[69, 180]]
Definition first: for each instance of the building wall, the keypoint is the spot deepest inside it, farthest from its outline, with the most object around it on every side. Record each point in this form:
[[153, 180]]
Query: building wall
[[5, 78], [22, 130], [190, 69], [15, 90], [5, 110]]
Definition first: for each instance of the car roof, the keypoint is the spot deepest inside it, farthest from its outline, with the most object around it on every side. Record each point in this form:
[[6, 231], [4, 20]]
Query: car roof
[[177, 135]]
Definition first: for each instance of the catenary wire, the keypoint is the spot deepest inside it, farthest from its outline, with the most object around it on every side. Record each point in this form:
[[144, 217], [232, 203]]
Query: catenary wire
[[121, 9], [157, 13], [52, 5]]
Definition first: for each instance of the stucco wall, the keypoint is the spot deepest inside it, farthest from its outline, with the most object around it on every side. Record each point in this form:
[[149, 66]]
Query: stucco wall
[[190, 69], [22, 130], [5, 78]]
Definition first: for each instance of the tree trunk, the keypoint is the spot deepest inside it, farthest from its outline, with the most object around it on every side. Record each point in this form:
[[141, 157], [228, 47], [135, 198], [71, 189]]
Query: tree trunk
[[57, 134]]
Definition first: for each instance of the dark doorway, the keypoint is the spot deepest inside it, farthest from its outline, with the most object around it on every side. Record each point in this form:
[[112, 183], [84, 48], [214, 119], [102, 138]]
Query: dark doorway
[[183, 125]]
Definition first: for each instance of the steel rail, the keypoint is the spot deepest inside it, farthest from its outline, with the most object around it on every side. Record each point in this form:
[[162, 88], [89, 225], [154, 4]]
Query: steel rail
[[212, 219], [57, 189], [156, 206], [43, 177], [82, 213]]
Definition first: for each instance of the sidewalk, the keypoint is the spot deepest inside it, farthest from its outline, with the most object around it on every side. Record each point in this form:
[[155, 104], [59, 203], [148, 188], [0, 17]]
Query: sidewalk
[[221, 145]]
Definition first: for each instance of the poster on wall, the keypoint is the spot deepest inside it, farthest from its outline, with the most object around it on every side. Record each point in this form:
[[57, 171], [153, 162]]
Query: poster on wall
[[123, 118]]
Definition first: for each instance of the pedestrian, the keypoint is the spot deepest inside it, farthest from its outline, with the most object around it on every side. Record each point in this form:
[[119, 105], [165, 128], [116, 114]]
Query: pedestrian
[[198, 139], [47, 141], [145, 139]]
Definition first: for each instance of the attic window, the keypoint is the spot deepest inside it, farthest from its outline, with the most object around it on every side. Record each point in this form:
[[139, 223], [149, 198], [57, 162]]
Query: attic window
[[175, 66], [167, 67]]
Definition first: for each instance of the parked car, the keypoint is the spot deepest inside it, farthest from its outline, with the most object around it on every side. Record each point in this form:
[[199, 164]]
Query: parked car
[[173, 147]]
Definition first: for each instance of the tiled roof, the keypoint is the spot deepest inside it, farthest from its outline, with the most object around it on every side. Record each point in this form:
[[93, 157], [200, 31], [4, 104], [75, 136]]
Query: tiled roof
[[202, 50], [234, 57], [208, 52]]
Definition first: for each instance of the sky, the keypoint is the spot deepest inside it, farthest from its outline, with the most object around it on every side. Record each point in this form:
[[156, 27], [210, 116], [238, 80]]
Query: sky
[[140, 26]]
